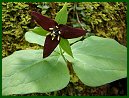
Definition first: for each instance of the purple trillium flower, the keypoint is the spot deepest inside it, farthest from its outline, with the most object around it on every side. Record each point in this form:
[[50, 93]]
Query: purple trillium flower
[[56, 32]]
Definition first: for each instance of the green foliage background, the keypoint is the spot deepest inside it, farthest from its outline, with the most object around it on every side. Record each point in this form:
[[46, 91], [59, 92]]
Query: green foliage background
[[106, 19]]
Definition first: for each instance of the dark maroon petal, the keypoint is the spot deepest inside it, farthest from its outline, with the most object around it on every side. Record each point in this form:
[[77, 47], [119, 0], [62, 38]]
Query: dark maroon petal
[[49, 45], [69, 32], [43, 21]]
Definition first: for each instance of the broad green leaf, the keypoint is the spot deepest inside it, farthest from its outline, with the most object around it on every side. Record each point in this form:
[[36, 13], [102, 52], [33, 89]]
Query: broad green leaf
[[62, 15], [73, 40], [34, 38], [99, 60], [39, 31], [26, 71], [64, 43]]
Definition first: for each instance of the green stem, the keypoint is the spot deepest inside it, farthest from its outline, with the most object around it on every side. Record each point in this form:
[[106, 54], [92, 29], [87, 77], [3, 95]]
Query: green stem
[[61, 52], [69, 65]]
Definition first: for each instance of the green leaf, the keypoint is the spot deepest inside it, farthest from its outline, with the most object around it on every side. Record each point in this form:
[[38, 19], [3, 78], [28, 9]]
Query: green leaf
[[99, 60], [62, 15], [64, 43], [73, 40], [39, 31], [26, 71], [34, 38]]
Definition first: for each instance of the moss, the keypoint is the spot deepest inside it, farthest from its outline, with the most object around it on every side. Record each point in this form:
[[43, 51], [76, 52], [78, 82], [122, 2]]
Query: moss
[[15, 22], [106, 19]]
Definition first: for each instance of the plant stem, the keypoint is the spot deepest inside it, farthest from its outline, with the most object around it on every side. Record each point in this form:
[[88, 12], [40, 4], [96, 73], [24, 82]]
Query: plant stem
[[62, 54], [69, 64], [78, 17]]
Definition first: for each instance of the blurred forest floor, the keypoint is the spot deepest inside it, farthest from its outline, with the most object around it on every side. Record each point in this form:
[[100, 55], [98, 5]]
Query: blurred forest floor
[[105, 19]]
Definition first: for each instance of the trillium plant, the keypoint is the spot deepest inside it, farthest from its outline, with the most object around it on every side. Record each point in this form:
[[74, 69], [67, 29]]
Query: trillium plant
[[95, 60], [55, 32]]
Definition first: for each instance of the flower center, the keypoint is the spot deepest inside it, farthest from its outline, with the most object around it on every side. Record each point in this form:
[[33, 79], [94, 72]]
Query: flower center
[[55, 32]]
